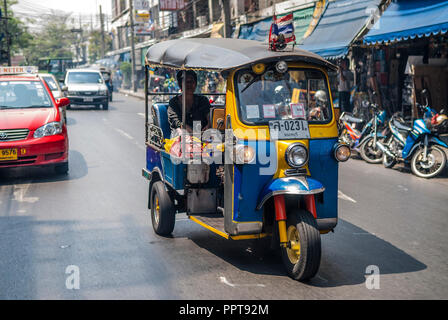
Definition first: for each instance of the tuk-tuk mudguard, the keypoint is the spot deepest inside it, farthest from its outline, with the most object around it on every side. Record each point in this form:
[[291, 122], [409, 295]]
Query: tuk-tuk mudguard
[[290, 185]]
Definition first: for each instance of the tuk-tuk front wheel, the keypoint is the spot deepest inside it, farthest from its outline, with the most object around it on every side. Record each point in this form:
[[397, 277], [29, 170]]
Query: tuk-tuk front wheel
[[162, 210], [302, 254]]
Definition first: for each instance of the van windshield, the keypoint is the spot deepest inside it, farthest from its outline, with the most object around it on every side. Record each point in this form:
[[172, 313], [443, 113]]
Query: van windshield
[[295, 94], [84, 77]]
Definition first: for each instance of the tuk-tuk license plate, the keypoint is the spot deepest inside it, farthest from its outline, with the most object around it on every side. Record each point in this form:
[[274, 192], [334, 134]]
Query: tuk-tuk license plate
[[8, 154], [289, 129]]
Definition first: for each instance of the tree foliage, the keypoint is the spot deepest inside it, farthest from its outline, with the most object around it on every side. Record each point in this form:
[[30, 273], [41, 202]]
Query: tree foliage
[[18, 32], [95, 44], [55, 40]]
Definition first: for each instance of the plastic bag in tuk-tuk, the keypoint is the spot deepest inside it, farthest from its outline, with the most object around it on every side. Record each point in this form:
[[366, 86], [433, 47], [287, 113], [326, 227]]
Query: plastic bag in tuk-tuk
[[193, 146]]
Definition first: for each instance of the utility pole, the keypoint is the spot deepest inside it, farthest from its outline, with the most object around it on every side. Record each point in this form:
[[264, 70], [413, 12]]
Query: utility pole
[[103, 44], [8, 39], [131, 13], [225, 12]]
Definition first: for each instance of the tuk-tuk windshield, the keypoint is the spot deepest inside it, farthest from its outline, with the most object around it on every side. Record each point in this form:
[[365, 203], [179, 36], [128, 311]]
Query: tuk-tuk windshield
[[295, 94]]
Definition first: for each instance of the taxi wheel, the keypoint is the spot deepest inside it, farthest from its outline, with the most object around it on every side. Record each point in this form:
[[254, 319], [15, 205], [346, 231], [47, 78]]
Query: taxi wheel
[[302, 255], [162, 210]]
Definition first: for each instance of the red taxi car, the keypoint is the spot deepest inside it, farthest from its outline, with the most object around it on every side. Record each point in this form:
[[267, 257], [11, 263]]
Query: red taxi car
[[32, 128]]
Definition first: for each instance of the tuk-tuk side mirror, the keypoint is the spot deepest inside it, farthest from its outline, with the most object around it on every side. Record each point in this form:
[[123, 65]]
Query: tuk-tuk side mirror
[[217, 116]]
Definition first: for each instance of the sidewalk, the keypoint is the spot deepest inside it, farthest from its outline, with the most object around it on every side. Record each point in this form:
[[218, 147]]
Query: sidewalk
[[140, 94]]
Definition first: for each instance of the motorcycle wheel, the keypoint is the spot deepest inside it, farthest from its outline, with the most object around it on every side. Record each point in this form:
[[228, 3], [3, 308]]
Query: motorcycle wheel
[[370, 152], [435, 163]]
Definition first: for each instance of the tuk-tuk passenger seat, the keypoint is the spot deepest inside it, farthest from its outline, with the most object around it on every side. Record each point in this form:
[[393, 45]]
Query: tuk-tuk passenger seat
[[160, 118]]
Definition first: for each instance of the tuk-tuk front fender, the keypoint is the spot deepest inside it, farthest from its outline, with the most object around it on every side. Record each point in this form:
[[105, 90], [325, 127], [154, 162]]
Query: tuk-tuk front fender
[[290, 185]]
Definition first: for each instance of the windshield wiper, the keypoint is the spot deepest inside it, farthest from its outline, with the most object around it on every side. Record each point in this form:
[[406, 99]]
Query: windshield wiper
[[35, 106], [6, 107]]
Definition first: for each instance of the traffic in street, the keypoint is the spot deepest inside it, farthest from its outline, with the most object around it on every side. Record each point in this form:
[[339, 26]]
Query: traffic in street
[[95, 220]]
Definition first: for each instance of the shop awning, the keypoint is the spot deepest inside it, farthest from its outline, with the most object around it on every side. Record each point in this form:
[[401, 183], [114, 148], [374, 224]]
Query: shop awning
[[260, 30], [341, 22], [409, 19]]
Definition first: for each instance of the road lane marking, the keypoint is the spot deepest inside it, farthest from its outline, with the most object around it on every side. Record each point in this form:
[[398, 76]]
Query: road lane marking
[[343, 196], [124, 134], [224, 281], [20, 192]]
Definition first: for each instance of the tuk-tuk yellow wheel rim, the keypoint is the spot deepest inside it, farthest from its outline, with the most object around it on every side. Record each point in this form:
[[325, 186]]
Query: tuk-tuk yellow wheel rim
[[157, 210], [293, 248]]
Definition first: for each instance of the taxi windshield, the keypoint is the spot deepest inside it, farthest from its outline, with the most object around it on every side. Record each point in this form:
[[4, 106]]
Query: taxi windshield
[[295, 94], [51, 83], [84, 77], [23, 94]]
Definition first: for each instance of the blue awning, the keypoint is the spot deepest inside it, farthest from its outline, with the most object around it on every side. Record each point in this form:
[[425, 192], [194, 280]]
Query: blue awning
[[256, 31], [339, 25], [409, 19]]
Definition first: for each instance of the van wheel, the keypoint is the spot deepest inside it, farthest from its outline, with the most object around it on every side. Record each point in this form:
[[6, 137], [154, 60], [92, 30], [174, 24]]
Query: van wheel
[[162, 210], [302, 255], [106, 106]]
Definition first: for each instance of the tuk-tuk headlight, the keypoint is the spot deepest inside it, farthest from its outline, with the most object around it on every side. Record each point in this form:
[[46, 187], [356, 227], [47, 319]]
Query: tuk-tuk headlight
[[342, 153], [244, 154], [296, 155], [281, 67]]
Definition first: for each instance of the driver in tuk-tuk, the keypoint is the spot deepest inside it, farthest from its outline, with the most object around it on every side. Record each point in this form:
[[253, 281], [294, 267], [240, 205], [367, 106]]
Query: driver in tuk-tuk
[[197, 106]]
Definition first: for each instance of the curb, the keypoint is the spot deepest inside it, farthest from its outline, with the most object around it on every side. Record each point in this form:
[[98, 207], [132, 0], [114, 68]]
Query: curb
[[132, 94]]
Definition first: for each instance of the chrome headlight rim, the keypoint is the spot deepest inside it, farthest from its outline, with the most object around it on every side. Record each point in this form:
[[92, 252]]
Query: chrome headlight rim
[[41, 131], [339, 146], [288, 151]]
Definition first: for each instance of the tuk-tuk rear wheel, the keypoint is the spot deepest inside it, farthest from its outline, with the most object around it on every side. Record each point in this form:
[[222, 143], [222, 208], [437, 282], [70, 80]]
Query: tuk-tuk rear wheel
[[301, 257], [162, 210]]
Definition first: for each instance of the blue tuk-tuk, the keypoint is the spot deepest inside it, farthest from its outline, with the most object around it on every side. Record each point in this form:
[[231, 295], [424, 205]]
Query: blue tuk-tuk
[[271, 166]]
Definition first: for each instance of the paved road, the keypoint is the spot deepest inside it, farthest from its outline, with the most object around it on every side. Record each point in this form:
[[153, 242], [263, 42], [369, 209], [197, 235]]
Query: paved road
[[96, 220]]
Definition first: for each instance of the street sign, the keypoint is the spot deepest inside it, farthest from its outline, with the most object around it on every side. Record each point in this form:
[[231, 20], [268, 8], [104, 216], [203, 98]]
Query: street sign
[[141, 17], [141, 5], [171, 5]]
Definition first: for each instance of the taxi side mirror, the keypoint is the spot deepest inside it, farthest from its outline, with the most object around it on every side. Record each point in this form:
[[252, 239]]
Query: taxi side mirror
[[63, 102]]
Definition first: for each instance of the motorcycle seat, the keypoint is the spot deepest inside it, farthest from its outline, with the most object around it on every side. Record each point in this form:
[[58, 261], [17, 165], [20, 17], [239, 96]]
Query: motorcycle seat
[[350, 118], [401, 126]]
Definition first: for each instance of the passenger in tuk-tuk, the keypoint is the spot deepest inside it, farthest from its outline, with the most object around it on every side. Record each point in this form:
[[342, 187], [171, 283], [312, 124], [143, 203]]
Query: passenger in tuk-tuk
[[197, 106]]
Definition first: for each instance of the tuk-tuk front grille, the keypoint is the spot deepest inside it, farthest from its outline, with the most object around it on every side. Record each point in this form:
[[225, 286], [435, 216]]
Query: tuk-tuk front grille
[[295, 172]]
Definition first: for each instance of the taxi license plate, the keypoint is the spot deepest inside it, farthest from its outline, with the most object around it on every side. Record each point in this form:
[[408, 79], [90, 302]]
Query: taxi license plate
[[8, 154], [88, 99], [289, 129]]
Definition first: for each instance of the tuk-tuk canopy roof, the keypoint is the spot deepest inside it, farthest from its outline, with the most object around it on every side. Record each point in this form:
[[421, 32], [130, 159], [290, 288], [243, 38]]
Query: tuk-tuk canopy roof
[[218, 54]]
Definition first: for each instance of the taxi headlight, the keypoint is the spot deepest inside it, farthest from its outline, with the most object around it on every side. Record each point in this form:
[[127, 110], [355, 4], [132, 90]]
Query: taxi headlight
[[296, 155], [244, 154], [49, 129], [342, 153]]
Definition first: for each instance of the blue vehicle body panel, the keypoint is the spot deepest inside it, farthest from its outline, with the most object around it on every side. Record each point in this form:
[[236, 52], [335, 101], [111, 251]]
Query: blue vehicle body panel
[[248, 183], [291, 185], [324, 168], [153, 159]]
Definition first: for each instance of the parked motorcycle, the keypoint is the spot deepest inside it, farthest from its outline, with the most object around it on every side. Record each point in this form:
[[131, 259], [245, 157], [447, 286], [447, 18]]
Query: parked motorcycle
[[420, 145], [364, 140]]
